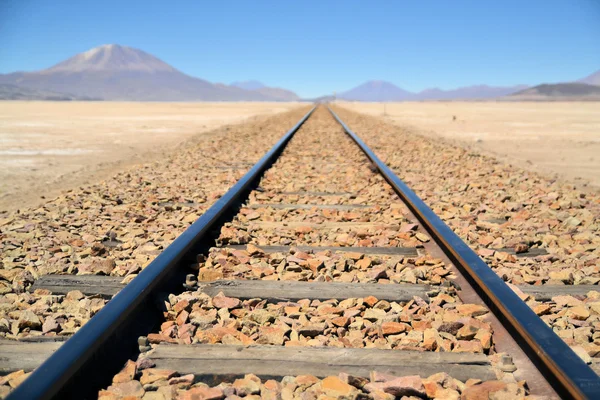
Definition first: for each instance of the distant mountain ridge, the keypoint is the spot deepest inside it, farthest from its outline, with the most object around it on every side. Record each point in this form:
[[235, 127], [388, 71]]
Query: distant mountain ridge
[[14, 92], [278, 93], [249, 85], [376, 91], [259, 87], [386, 91], [593, 79], [469, 92], [559, 91], [114, 72]]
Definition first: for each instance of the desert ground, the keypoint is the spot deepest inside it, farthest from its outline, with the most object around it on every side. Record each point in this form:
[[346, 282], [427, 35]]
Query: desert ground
[[46, 147], [119, 225], [551, 138]]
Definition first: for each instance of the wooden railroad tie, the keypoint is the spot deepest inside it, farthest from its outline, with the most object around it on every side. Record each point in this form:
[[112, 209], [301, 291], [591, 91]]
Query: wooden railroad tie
[[321, 225], [16, 354], [547, 292], [286, 206], [309, 193], [379, 251], [108, 286], [210, 363], [246, 289]]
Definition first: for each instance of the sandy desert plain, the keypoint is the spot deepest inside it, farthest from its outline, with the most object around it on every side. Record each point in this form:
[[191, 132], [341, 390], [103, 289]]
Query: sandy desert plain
[[46, 147], [553, 138]]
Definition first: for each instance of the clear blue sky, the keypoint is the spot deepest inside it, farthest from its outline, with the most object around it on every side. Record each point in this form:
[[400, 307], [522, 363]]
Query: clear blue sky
[[315, 47]]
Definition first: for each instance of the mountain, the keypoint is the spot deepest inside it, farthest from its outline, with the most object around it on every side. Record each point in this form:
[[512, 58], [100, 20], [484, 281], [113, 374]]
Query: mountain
[[376, 91], [321, 99], [559, 91], [593, 79], [278, 94], [259, 87], [468, 92], [13, 92], [385, 91], [112, 57], [114, 72], [249, 85]]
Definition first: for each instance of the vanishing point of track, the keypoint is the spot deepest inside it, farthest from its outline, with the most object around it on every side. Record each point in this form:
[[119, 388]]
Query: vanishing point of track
[[330, 195]]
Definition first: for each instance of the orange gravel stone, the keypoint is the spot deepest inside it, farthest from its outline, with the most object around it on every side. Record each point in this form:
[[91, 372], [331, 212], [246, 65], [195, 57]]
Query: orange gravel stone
[[483, 390], [333, 386], [127, 373], [364, 263], [152, 375], [354, 256], [370, 301], [306, 380], [291, 310], [181, 305], [393, 328], [341, 321], [471, 310], [202, 393]]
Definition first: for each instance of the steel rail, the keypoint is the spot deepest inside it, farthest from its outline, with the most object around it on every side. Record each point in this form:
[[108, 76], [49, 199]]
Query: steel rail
[[54, 377], [563, 369]]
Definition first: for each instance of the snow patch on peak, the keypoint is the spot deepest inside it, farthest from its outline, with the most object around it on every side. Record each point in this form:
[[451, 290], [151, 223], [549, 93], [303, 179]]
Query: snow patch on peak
[[86, 55], [90, 53]]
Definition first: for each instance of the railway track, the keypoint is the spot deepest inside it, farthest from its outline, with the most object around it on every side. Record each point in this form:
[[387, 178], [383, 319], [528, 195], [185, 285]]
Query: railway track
[[329, 277]]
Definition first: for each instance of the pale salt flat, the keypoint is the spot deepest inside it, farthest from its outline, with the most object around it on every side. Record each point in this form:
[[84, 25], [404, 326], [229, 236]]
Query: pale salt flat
[[553, 138], [46, 147], [45, 152]]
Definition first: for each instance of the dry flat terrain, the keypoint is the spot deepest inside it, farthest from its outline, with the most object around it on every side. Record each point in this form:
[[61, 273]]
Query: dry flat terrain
[[561, 138], [46, 147], [321, 192]]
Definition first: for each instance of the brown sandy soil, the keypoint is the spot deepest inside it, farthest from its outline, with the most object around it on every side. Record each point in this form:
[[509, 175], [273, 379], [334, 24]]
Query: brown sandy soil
[[551, 138], [47, 147]]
